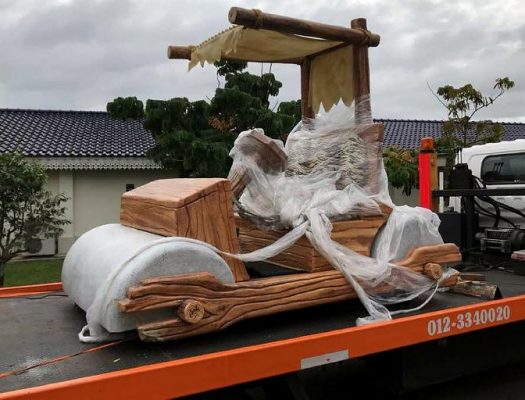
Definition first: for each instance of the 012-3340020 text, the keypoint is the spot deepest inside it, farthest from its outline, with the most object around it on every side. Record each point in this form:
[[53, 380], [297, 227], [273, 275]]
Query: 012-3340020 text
[[485, 316]]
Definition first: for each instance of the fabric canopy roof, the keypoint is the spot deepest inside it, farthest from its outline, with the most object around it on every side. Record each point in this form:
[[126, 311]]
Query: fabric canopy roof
[[259, 45], [331, 74]]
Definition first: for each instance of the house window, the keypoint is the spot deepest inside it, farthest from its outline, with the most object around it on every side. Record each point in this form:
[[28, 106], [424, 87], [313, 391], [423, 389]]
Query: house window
[[130, 186]]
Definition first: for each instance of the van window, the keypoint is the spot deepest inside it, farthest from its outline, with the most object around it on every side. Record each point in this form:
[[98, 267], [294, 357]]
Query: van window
[[505, 168]]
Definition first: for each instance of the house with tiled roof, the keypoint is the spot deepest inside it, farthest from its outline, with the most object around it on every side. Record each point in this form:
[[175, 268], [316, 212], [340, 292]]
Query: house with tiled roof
[[407, 133], [93, 158], [89, 156]]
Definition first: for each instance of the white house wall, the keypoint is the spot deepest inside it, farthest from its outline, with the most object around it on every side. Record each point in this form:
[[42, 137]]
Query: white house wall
[[95, 197], [400, 199], [52, 181], [66, 185]]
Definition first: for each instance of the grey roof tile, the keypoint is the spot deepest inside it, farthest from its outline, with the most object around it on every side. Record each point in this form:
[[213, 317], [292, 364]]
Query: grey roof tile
[[49, 133], [408, 133]]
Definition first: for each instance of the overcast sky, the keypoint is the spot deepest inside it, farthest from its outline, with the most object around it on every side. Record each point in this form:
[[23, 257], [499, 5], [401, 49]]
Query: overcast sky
[[81, 54]]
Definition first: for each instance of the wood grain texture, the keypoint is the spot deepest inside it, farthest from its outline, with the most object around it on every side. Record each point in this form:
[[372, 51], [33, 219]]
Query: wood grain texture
[[444, 254], [361, 77], [225, 305], [179, 52], [473, 276], [434, 180], [261, 20], [482, 290], [191, 311], [433, 270], [306, 102], [184, 53], [373, 135], [261, 149], [357, 235], [176, 193], [195, 208]]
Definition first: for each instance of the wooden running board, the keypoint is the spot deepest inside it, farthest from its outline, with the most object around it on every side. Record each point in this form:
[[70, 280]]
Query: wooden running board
[[203, 304]]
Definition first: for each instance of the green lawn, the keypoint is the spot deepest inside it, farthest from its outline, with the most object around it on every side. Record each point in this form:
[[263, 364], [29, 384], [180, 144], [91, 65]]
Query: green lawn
[[32, 272]]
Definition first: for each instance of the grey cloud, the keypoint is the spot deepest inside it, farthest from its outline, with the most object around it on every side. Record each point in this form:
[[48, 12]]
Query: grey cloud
[[80, 54]]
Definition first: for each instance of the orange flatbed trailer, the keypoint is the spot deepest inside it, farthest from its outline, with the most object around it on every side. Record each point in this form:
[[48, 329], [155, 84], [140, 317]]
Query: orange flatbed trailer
[[41, 357]]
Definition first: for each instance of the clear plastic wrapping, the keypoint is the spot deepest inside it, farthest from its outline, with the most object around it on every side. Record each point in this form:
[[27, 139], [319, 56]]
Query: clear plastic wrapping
[[333, 143], [334, 171]]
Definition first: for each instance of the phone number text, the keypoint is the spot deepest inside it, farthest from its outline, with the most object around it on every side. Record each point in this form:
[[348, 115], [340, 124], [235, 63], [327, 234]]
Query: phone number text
[[486, 316]]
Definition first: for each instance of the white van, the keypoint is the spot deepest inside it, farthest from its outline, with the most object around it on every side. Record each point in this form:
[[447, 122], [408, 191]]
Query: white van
[[498, 165]]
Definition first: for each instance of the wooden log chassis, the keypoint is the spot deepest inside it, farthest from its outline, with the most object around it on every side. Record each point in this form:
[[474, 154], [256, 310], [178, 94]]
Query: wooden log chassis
[[205, 305], [202, 209], [202, 304]]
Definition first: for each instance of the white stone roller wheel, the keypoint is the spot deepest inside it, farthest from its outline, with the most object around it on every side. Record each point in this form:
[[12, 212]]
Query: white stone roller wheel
[[105, 261]]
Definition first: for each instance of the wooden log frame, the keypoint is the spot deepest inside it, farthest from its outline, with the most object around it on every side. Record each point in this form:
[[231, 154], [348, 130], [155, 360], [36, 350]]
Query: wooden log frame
[[306, 106], [260, 20], [184, 53], [202, 304], [357, 234], [264, 151], [482, 290], [373, 136], [361, 77], [357, 35], [417, 258]]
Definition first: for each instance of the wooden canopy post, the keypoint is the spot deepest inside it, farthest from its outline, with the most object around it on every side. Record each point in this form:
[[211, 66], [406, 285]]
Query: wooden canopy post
[[307, 110], [361, 76]]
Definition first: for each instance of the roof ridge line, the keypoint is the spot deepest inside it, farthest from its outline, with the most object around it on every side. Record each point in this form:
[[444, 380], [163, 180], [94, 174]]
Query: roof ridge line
[[53, 111], [441, 121], [408, 120]]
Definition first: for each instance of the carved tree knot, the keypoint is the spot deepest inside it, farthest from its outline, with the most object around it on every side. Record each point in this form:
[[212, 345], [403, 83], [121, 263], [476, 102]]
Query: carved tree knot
[[191, 311]]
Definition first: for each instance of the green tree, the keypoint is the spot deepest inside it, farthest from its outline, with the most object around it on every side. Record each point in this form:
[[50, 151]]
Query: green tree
[[244, 102], [27, 210], [185, 139], [460, 130], [195, 138], [126, 108], [401, 168]]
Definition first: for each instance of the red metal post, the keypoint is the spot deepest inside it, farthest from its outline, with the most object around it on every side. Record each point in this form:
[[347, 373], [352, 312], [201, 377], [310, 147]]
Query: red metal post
[[425, 168]]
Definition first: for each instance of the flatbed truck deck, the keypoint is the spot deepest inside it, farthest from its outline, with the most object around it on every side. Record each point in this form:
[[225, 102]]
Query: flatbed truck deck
[[41, 356]]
